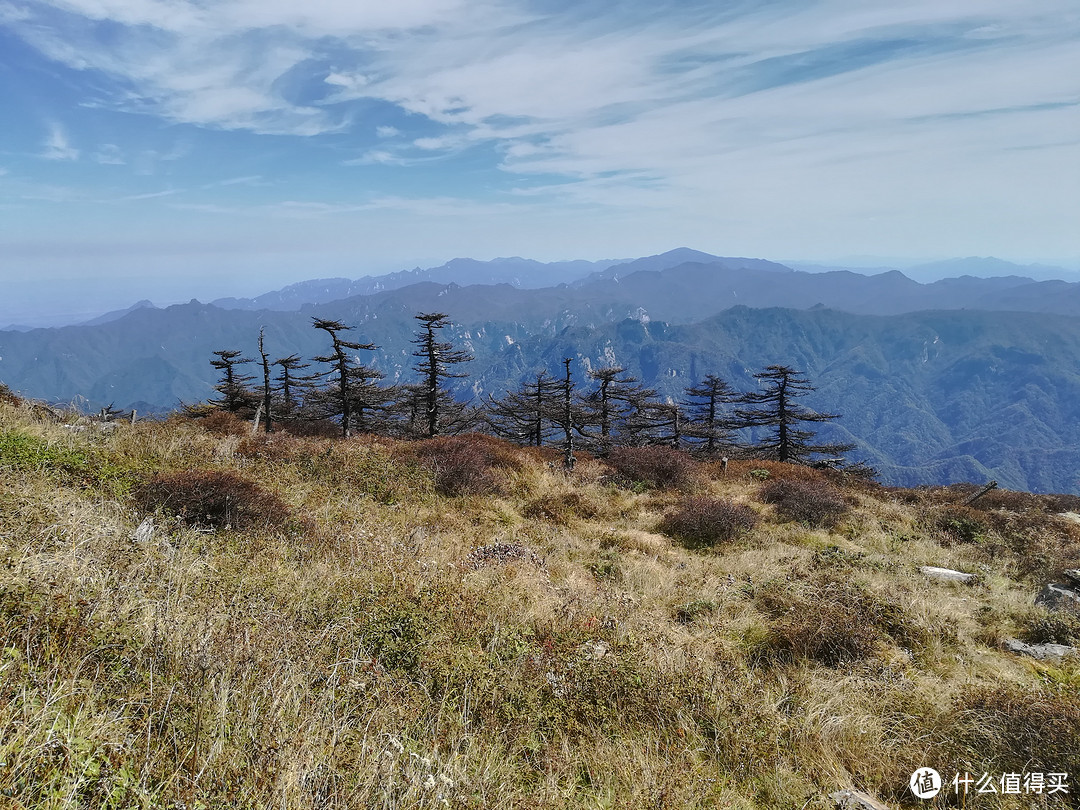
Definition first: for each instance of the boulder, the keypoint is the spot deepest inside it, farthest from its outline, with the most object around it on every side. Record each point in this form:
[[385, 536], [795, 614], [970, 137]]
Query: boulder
[[851, 799], [1041, 652], [1059, 597]]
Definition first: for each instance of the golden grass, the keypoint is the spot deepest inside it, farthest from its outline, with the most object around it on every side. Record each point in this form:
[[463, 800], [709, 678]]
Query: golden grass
[[360, 657]]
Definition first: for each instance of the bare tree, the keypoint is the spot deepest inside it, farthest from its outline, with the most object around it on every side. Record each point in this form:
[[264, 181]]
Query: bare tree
[[266, 390]]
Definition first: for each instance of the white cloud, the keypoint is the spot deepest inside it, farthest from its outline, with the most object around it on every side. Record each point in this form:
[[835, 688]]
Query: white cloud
[[737, 111], [109, 154], [57, 147]]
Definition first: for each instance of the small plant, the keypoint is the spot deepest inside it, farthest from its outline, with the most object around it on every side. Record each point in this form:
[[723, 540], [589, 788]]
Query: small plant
[[1058, 627], [814, 503], [467, 465], [703, 521], [759, 474], [692, 611], [657, 467], [212, 499], [562, 507], [958, 524]]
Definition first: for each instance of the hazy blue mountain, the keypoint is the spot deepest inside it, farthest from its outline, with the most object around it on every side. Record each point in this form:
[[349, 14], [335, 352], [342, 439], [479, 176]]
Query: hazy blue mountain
[[515, 271], [927, 272], [987, 267], [929, 397], [937, 382], [118, 313]]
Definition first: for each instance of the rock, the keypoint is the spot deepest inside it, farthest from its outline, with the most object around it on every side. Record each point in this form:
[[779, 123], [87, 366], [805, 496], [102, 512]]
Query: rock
[[1059, 597], [145, 532], [501, 553], [947, 574], [1073, 575], [595, 649], [850, 799], [1041, 652]]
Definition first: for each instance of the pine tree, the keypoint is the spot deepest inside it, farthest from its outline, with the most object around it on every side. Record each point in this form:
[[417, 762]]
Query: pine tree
[[527, 415], [654, 423], [775, 409], [431, 401], [352, 378], [292, 385], [607, 410], [234, 387], [566, 417], [708, 426]]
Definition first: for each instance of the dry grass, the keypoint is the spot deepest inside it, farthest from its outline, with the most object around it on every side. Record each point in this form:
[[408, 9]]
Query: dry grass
[[535, 645]]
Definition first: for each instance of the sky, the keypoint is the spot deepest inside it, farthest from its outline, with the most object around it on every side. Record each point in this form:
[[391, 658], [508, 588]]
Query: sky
[[170, 149]]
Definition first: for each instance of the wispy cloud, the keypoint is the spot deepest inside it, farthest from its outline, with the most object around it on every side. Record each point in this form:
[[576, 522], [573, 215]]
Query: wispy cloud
[[57, 147], [743, 112], [109, 154]]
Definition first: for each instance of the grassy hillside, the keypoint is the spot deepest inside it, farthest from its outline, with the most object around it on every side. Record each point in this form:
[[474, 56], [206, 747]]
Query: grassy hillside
[[337, 624]]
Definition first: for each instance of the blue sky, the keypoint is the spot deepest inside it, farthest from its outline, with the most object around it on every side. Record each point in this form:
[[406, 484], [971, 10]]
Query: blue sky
[[173, 149]]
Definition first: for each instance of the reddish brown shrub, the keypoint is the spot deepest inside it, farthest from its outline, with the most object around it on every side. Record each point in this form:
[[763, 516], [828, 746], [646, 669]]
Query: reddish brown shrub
[[703, 521], [7, 396], [467, 465], [777, 471], [659, 467], [225, 423], [212, 499], [812, 502]]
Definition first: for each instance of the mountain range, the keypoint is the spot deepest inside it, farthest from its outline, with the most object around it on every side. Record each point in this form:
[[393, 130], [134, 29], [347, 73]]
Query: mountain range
[[960, 379]]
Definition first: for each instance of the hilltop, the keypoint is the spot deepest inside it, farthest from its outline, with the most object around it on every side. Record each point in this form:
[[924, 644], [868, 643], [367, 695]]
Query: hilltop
[[193, 616]]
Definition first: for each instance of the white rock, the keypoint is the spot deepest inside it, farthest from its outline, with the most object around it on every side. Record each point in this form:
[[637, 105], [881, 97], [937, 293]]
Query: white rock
[[145, 532], [946, 574]]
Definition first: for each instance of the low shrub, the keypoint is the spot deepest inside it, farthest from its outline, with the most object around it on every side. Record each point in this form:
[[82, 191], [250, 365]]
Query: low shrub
[[835, 623], [1019, 729], [225, 423], [467, 465], [703, 521], [658, 467], [692, 611], [812, 502], [6, 396], [1056, 627], [562, 507], [212, 499], [956, 524]]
